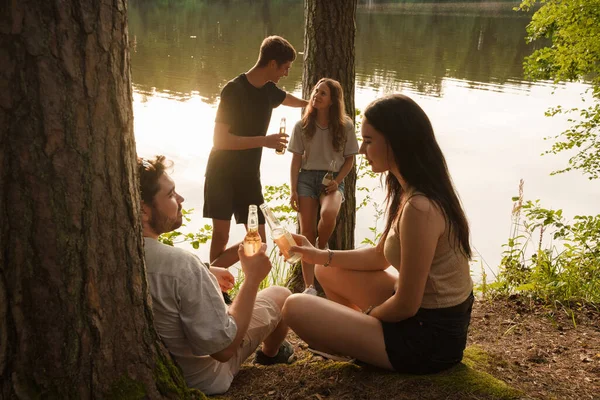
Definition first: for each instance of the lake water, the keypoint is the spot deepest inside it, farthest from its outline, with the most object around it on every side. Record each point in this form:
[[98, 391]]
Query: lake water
[[462, 62]]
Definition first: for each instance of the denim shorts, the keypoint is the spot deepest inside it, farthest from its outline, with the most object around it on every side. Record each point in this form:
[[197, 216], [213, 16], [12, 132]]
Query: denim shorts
[[310, 183]]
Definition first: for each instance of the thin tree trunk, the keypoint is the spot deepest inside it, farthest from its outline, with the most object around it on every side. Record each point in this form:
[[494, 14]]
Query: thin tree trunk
[[330, 28], [75, 316]]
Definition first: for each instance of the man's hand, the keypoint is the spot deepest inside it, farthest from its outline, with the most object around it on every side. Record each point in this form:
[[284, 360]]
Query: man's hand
[[294, 201], [257, 266], [276, 141], [309, 252], [224, 277]]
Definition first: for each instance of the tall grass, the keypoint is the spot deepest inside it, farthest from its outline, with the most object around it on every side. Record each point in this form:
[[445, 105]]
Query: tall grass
[[549, 258]]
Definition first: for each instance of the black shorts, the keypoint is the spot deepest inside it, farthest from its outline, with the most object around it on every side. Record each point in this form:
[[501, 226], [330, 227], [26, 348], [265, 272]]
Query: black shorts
[[226, 196], [431, 341]]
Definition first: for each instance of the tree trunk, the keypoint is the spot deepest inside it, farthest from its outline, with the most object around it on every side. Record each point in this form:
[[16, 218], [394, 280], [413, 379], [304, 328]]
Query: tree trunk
[[329, 31], [75, 315]]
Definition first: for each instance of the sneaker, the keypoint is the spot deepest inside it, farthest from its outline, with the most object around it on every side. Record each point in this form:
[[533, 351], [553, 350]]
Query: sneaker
[[311, 291], [333, 357], [285, 355], [326, 247]]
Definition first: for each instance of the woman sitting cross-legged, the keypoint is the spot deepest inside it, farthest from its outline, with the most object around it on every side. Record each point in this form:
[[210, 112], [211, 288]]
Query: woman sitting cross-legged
[[416, 320]]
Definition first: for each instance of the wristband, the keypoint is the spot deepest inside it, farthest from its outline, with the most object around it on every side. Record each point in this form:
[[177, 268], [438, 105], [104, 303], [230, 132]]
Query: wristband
[[329, 259]]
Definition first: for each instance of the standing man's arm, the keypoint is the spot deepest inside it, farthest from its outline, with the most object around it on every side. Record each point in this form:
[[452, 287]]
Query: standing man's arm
[[225, 140], [292, 101]]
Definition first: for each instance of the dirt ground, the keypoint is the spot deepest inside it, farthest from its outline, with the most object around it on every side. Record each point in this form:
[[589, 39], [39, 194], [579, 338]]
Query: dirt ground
[[543, 352], [548, 353]]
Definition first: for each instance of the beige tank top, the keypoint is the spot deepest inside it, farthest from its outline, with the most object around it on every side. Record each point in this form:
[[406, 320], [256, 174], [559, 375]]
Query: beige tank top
[[449, 281]]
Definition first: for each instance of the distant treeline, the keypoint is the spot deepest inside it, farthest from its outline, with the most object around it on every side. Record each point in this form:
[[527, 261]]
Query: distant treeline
[[172, 3]]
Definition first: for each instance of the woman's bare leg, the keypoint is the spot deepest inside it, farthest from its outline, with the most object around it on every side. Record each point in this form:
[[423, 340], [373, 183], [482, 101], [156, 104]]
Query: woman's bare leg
[[356, 289], [330, 207], [308, 208], [333, 328]]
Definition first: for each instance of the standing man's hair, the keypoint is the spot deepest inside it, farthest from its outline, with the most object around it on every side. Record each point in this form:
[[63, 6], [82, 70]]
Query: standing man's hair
[[150, 172], [275, 48]]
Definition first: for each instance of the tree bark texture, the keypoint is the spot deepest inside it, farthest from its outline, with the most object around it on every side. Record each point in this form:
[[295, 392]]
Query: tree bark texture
[[329, 31], [75, 315]]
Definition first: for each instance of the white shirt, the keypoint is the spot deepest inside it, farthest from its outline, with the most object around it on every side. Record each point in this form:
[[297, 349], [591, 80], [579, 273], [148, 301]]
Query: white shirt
[[190, 314], [318, 153]]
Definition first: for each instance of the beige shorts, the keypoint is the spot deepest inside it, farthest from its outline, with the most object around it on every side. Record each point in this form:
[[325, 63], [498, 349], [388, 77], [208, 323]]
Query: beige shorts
[[265, 318]]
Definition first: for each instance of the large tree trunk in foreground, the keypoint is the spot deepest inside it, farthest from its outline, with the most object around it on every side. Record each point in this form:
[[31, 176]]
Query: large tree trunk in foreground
[[329, 31], [75, 318]]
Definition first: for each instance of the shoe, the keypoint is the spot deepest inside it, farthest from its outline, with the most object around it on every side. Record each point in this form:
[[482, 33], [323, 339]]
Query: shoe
[[311, 291], [285, 355], [333, 357], [322, 248]]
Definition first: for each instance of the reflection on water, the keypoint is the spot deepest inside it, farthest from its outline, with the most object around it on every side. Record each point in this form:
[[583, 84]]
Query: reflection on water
[[199, 47], [461, 63]]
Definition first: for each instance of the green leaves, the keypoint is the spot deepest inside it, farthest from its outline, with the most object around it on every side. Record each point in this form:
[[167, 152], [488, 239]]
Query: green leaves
[[573, 27], [203, 235]]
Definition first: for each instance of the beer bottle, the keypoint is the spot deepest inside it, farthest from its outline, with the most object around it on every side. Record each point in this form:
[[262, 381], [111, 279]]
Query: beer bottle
[[329, 175], [281, 150], [283, 239], [252, 241]]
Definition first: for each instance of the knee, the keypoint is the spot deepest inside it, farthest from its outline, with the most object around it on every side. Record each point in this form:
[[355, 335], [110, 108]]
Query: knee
[[328, 215], [220, 236], [278, 294], [293, 307]]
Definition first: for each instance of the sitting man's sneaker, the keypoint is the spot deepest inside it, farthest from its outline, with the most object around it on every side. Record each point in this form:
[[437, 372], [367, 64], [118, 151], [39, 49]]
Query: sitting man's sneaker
[[310, 290], [285, 355]]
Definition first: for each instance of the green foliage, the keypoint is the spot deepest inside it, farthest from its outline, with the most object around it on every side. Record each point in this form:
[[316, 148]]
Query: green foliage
[[550, 258], [203, 235], [574, 29]]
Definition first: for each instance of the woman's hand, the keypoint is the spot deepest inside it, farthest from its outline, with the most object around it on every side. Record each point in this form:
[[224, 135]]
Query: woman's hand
[[224, 277], [310, 253], [294, 201], [332, 187]]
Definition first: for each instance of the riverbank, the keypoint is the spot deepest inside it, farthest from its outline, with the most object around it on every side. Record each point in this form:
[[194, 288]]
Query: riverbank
[[517, 350]]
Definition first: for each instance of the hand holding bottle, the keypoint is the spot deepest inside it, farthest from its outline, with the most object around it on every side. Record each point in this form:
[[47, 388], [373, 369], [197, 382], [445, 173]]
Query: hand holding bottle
[[276, 141], [309, 252], [255, 267], [332, 187]]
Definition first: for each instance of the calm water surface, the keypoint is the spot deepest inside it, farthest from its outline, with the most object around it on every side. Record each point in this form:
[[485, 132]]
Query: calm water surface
[[462, 63]]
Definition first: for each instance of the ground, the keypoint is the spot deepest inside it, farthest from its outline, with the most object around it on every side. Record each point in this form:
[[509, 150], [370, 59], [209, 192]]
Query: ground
[[517, 350]]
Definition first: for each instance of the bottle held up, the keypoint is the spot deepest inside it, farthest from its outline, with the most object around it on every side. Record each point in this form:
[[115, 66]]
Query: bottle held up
[[252, 240], [283, 239], [282, 126]]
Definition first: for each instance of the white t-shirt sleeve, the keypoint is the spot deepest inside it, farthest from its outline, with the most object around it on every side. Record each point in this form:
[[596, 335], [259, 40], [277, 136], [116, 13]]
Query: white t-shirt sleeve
[[296, 146], [206, 323], [351, 147]]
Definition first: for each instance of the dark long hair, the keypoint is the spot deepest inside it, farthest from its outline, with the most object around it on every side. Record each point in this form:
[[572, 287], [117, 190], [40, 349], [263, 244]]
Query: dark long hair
[[337, 115], [419, 159]]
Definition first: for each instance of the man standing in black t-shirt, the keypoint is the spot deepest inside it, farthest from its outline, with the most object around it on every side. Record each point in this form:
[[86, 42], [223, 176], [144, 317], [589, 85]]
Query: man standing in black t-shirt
[[233, 170]]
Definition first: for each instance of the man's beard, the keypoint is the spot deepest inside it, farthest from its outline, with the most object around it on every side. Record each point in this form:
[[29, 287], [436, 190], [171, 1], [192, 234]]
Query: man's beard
[[161, 223]]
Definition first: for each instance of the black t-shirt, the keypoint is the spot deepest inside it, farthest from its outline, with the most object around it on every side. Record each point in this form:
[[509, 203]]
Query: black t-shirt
[[247, 110]]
